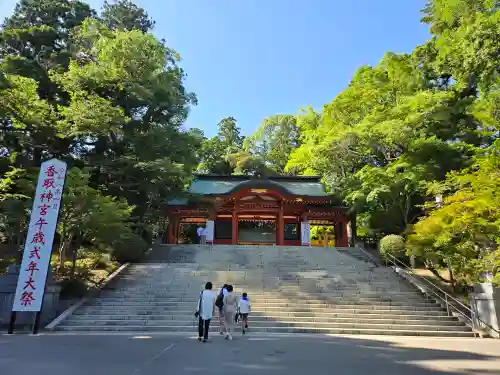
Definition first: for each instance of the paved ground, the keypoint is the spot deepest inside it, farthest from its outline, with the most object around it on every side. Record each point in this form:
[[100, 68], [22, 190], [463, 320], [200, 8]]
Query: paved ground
[[177, 355]]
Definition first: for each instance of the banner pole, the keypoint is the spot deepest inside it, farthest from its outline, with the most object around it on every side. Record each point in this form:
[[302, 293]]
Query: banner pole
[[12, 322]]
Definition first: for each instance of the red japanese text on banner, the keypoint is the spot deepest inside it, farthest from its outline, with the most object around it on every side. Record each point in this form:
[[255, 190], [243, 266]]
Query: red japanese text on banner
[[40, 237]]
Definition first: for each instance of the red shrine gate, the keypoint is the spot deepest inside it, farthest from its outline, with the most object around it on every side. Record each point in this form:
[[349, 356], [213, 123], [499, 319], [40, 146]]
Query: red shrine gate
[[291, 203]]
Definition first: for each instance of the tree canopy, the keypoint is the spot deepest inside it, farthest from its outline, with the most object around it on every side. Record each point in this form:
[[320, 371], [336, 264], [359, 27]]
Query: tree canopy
[[101, 92]]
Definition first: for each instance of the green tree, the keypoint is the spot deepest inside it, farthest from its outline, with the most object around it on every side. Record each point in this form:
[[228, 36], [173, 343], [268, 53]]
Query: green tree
[[274, 140], [125, 15], [87, 216], [102, 94], [465, 231], [15, 197], [34, 41], [216, 152], [393, 245], [243, 162]]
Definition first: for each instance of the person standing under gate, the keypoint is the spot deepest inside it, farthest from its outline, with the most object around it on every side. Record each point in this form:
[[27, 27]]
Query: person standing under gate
[[200, 233], [205, 311]]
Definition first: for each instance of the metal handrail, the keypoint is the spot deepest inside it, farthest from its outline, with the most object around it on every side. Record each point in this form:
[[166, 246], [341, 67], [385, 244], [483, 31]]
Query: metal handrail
[[368, 254], [447, 297]]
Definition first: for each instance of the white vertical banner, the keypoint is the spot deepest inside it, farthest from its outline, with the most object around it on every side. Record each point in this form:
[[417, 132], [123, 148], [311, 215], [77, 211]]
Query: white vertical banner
[[209, 231], [305, 233], [40, 237]]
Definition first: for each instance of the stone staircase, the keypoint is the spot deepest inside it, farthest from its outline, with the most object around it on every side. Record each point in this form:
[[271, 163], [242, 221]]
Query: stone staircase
[[292, 290], [360, 254]]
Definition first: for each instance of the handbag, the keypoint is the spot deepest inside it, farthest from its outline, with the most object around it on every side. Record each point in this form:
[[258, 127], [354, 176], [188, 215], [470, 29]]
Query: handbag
[[237, 316]]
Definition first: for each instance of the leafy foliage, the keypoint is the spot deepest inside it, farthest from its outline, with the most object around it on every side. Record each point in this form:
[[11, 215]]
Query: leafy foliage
[[274, 140], [465, 230], [102, 93], [392, 244], [105, 95]]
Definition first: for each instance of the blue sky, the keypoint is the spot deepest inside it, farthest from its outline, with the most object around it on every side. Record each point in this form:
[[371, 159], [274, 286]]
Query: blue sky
[[254, 58]]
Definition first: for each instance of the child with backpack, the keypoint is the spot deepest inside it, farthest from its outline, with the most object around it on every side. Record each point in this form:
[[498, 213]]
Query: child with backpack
[[244, 309]]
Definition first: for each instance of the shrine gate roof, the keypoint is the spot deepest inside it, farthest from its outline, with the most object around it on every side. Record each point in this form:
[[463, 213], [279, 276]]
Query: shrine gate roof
[[223, 185], [216, 185]]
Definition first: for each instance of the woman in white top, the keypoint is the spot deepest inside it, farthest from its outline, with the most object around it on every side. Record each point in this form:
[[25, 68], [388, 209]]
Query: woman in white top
[[205, 311], [222, 292], [230, 308]]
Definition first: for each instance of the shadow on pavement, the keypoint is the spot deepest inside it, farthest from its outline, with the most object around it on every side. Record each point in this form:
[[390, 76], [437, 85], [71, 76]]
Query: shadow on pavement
[[291, 355]]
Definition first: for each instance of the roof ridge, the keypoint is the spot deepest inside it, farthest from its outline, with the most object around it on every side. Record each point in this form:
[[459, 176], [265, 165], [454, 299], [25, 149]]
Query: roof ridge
[[203, 176]]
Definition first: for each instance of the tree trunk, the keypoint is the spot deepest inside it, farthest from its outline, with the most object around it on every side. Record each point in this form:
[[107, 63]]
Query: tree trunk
[[436, 273], [62, 249], [18, 244], [62, 253], [450, 273], [74, 257]]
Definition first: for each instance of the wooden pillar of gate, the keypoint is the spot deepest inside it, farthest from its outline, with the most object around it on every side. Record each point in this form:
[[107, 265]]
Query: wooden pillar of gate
[[280, 228], [170, 230], [341, 237], [234, 228], [173, 229]]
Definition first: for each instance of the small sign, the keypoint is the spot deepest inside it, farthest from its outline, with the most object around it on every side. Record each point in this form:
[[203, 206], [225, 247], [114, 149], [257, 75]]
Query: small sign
[[209, 231], [40, 237], [305, 233]]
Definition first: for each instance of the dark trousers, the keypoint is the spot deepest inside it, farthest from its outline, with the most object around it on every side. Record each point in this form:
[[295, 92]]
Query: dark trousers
[[203, 326]]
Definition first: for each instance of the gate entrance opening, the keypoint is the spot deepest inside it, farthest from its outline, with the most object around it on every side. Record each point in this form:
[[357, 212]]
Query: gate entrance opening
[[251, 231]]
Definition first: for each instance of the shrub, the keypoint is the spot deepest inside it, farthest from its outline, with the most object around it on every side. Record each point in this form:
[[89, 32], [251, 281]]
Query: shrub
[[102, 262], [130, 248], [72, 288], [392, 244]]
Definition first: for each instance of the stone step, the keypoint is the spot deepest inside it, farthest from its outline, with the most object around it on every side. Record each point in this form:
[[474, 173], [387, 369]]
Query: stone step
[[270, 297], [239, 285], [291, 273], [362, 314], [262, 294], [306, 330], [354, 309], [237, 276], [253, 293], [272, 324], [130, 319], [277, 299], [347, 280], [258, 305]]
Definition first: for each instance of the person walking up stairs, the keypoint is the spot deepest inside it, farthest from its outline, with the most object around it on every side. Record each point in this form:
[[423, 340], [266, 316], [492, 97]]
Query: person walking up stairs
[[230, 308], [205, 311], [244, 309]]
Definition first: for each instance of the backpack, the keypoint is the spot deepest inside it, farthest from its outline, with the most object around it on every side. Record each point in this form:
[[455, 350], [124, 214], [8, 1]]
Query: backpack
[[219, 302]]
